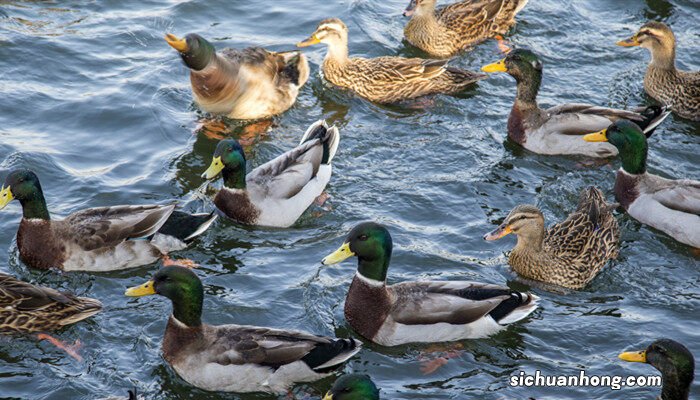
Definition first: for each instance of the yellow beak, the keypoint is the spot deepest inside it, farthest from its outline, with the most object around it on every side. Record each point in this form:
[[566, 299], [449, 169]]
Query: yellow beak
[[309, 42], [5, 197], [634, 356], [498, 233], [176, 43], [214, 169], [596, 136], [328, 396], [498, 66], [340, 255], [146, 289], [631, 42]]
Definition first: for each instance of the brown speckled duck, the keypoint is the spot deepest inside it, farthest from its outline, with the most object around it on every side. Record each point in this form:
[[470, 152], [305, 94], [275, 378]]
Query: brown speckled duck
[[243, 84], [423, 311], [445, 31], [27, 308], [96, 239], [384, 79], [663, 81], [570, 253]]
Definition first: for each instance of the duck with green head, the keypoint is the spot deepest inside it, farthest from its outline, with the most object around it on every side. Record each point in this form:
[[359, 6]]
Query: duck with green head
[[353, 387], [279, 191], [558, 130], [663, 81], [96, 239], [671, 206], [675, 362], [236, 358], [244, 84], [429, 311]]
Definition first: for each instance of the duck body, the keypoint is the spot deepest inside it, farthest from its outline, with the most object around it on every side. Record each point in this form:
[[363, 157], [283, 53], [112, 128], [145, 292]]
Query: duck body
[[663, 81], [414, 312], [385, 79], [671, 206], [278, 192], [559, 130], [447, 30], [570, 253], [26, 308], [97, 239], [237, 358], [243, 84]]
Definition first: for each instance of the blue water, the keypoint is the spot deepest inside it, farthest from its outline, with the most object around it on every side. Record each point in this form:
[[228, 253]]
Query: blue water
[[96, 103]]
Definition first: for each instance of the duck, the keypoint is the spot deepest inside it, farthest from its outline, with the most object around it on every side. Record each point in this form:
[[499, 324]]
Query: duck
[[663, 81], [669, 205], [28, 308], [419, 312], [450, 29], [558, 130], [236, 358], [96, 239], [675, 362], [353, 387], [276, 193], [384, 79], [252, 83], [569, 254]]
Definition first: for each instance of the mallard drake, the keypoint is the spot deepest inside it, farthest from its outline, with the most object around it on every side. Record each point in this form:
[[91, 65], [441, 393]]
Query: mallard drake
[[384, 79], [353, 387], [237, 358], [662, 81], [675, 362], [558, 130], [412, 312], [570, 253], [26, 308], [243, 84], [452, 28], [96, 239], [279, 191], [671, 206]]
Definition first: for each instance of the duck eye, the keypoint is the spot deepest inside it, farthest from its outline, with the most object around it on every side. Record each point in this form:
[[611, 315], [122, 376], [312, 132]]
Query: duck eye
[[363, 237]]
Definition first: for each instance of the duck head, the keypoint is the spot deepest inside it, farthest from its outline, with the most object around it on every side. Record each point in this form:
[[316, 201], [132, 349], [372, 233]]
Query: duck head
[[229, 161], [23, 185], [658, 38], [630, 142], [331, 32], [419, 7], [372, 245], [523, 65], [196, 52], [353, 387], [526, 222]]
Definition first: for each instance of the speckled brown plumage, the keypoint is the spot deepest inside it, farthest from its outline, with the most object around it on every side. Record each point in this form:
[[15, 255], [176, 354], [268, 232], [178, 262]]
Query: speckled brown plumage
[[29, 308], [452, 28], [570, 253]]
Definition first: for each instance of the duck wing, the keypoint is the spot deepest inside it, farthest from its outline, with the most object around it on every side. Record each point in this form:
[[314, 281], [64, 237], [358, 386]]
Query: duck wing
[[680, 195], [274, 348], [400, 70], [473, 18], [101, 227], [581, 119], [423, 303], [27, 297]]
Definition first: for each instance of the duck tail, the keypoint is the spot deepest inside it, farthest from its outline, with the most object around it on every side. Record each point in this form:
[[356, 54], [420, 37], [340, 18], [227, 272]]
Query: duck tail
[[462, 77], [326, 357], [185, 226], [329, 136], [294, 67], [592, 202], [652, 117], [515, 308], [82, 307], [520, 6]]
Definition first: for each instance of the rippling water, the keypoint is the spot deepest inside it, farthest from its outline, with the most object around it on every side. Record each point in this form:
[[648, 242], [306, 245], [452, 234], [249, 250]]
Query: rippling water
[[99, 106]]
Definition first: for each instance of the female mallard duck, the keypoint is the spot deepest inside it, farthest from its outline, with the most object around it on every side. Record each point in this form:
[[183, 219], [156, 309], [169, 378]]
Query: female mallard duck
[[97, 239], [570, 253], [279, 191], [663, 82], [558, 130], [384, 79], [243, 84], [29, 308], [671, 206], [675, 362], [412, 312], [452, 28], [237, 358], [353, 387]]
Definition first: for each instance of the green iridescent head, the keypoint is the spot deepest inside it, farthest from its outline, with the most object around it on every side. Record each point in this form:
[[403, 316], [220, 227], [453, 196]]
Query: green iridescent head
[[229, 161], [196, 52], [23, 185], [372, 245], [353, 387], [630, 142]]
